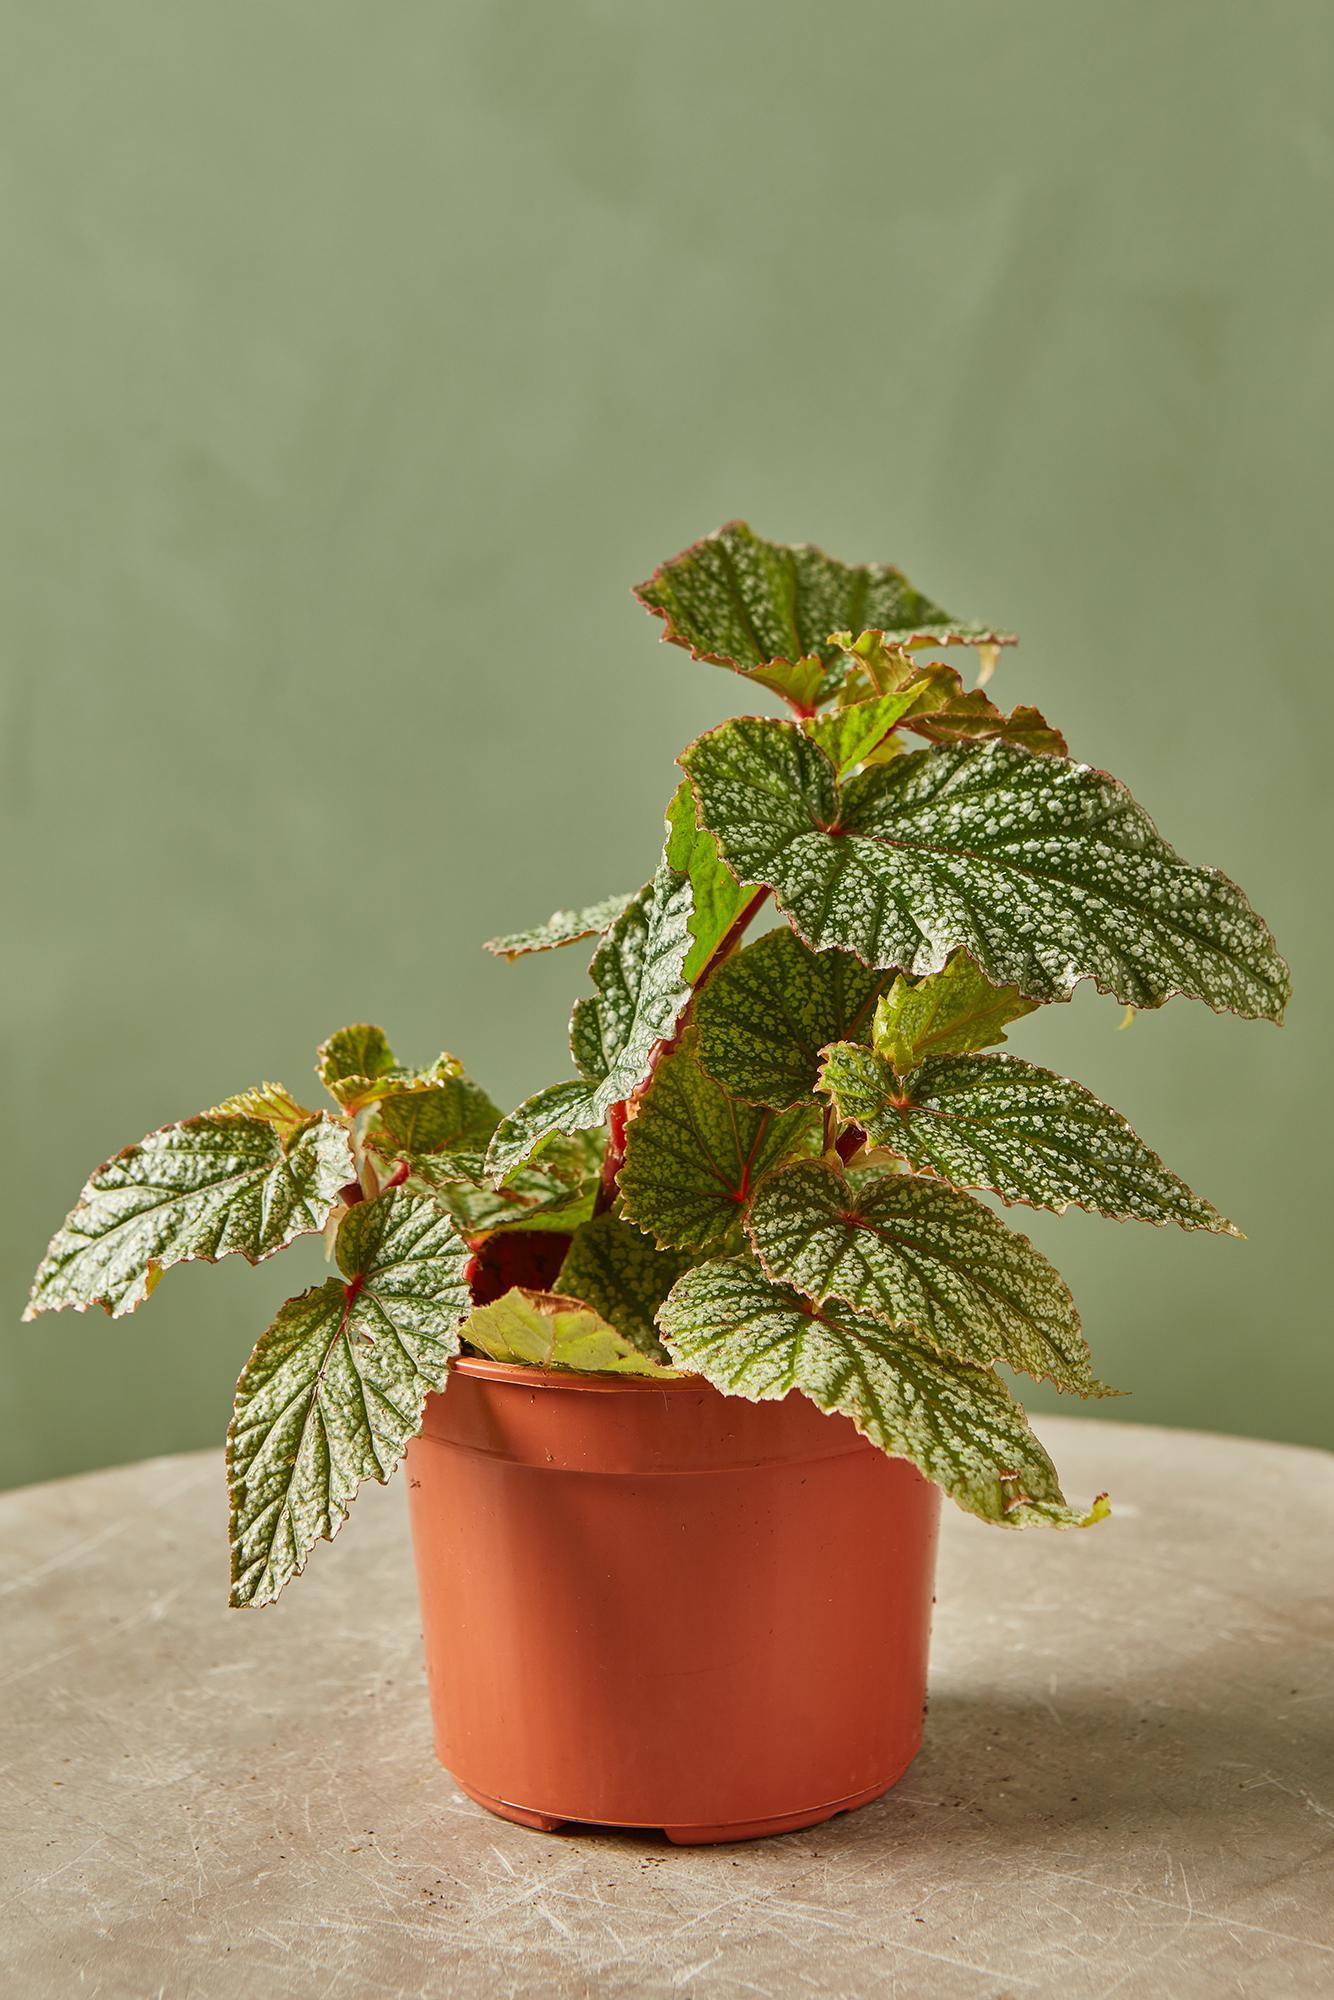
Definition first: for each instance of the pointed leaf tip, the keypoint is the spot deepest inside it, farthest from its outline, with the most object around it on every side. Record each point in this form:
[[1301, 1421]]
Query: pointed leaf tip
[[1046, 872], [562, 927], [219, 1184], [957, 1423], [1001, 1124]]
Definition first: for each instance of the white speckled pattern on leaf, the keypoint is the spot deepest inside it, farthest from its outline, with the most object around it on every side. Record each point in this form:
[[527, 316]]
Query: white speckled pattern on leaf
[[927, 1260], [562, 927], [210, 1187], [613, 1267], [693, 1154], [1024, 1133], [769, 609], [958, 1424], [638, 969], [337, 1385], [766, 1014], [1046, 872]]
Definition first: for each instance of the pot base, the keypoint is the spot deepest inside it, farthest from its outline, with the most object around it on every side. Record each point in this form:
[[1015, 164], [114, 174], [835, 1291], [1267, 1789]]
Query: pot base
[[681, 1836]]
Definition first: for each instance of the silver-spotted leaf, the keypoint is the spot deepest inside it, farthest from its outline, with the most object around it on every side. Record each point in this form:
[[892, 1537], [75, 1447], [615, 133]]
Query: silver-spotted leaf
[[543, 1330], [766, 1014], [206, 1188], [768, 610], [926, 1259], [958, 1424], [946, 1013], [1045, 872], [638, 970], [717, 899], [693, 1154], [1024, 1133], [618, 1271], [337, 1385], [562, 927], [522, 1135]]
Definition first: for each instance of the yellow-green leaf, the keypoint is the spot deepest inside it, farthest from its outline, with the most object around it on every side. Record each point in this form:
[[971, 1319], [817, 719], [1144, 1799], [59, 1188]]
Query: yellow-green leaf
[[945, 1013], [716, 897], [543, 1330]]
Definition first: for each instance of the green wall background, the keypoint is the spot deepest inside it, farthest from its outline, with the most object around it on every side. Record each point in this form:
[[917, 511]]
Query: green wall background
[[357, 360]]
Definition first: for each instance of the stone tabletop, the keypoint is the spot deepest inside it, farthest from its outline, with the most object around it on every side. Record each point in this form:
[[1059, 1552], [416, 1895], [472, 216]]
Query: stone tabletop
[[1127, 1786]]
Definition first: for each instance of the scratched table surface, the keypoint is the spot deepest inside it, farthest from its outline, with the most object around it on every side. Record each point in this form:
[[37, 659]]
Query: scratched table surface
[[1127, 1785]]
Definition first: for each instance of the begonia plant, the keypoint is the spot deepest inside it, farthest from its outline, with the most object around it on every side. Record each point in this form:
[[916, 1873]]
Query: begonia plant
[[766, 1167]]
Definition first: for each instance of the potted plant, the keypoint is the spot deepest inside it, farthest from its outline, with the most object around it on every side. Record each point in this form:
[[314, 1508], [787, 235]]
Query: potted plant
[[681, 1352]]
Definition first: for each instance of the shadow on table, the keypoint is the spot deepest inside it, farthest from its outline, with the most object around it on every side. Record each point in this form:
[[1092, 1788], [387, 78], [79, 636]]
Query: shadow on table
[[1143, 1760]]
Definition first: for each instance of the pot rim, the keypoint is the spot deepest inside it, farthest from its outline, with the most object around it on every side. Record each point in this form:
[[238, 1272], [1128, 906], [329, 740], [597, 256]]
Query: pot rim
[[528, 1375]]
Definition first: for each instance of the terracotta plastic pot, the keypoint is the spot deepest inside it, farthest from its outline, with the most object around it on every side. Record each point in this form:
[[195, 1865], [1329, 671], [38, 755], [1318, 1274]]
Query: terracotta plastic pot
[[648, 1604]]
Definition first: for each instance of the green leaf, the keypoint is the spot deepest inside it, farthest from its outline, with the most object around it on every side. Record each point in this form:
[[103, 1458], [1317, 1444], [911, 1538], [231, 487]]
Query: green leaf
[[958, 1424], [767, 1013], [926, 1259], [693, 1154], [1046, 872], [849, 735], [524, 1133], [1021, 1132], [946, 1013], [432, 1113], [717, 898], [638, 971], [337, 1386], [614, 1268], [557, 1193], [935, 702], [273, 1102], [543, 1330], [205, 1188], [352, 1060], [768, 610], [562, 927]]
